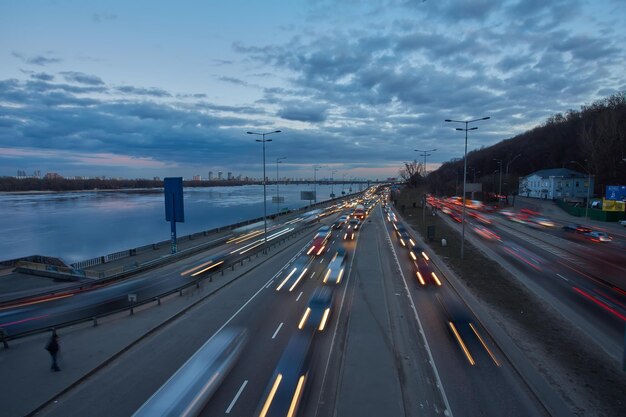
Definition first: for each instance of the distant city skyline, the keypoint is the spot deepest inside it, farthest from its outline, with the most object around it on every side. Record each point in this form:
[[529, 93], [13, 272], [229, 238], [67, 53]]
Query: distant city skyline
[[145, 89]]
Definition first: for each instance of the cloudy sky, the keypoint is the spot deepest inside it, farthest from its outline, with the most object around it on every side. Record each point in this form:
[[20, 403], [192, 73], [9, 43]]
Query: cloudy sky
[[144, 88]]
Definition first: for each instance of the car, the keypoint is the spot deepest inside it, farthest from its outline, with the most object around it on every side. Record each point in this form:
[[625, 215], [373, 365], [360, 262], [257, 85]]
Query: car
[[622, 222], [318, 310], [336, 268], [293, 275], [542, 221], [353, 226], [572, 227], [485, 233], [338, 224], [320, 241], [404, 236], [597, 236]]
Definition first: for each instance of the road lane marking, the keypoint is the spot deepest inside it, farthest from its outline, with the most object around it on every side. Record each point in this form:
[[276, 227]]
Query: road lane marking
[[313, 274], [299, 295], [277, 330], [321, 260], [232, 403], [269, 283], [421, 329]]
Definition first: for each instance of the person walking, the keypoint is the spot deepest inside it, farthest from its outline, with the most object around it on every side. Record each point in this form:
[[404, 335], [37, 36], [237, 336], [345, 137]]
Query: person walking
[[53, 348]]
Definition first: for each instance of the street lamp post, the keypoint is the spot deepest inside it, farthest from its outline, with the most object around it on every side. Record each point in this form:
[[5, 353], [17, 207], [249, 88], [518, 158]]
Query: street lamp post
[[500, 186], [332, 183], [588, 187], [315, 168], [264, 182], [278, 161], [467, 122], [425, 154]]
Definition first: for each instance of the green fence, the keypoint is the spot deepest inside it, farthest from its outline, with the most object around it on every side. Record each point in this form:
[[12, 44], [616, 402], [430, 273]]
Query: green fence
[[594, 214]]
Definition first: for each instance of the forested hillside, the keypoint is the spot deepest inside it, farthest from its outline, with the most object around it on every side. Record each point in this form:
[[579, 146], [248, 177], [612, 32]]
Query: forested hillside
[[594, 136]]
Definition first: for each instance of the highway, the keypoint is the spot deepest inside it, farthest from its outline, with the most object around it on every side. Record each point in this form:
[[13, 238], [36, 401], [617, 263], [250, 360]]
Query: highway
[[390, 346], [575, 275]]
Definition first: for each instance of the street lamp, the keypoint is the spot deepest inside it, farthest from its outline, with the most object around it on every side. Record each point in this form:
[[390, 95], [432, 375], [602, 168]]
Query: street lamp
[[500, 186], [425, 154], [264, 182], [332, 183], [588, 187], [315, 168], [278, 161], [465, 171]]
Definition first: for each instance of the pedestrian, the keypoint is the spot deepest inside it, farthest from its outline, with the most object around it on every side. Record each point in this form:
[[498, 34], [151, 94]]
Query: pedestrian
[[53, 348]]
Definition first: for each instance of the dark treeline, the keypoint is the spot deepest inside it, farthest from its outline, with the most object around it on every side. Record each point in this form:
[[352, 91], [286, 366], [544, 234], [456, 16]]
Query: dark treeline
[[63, 184], [594, 137]]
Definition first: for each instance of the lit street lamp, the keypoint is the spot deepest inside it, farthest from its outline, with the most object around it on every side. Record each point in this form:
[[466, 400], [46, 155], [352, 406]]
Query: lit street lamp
[[278, 161], [588, 187], [264, 181], [465, 171]]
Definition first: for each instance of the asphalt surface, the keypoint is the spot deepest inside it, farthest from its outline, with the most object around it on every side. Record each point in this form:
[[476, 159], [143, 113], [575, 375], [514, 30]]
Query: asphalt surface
[[387, 348]]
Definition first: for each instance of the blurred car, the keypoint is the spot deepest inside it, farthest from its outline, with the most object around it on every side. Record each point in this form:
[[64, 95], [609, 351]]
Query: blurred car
[[418, 252], [294, 274], [352, 228], [404, 236], [318, 310], [485, 233], [542, 221], [336, 268], [572, 227], [320, 241], [597, 236], [622, 222]]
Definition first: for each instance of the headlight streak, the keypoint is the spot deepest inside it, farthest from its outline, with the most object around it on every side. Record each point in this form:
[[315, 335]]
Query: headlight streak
[[425, 256], [296, 397], [340, 276], [298, 280], [319, 252], [324, 319], [196, 268], [207, 268], [286, 279], [270, 397], [30, 303], [245, 237], [493, 357], [326, 276], [437, 281], [420, 278], [305, 316], [462, 344], [259, 242], [413, 256]]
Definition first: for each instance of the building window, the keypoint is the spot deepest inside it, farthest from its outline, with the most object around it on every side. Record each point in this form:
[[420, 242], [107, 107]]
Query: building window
[[577, 184]]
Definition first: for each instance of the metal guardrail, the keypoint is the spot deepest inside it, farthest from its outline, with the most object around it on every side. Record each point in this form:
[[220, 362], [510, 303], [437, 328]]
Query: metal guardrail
[[5, 337]]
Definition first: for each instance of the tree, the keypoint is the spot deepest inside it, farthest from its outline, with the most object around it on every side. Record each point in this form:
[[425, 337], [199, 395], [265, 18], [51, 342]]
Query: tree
[[410, 173]]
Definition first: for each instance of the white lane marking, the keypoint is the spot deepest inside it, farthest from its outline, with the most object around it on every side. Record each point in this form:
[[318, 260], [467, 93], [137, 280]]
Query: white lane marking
[[299, 295], [232, 403], [277, 330], [313, 274], [269, 283], [321, 260], [419, 323], [562, 277]]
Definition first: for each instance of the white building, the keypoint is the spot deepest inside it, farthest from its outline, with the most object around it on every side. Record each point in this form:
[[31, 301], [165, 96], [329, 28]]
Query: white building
[[557, 183]]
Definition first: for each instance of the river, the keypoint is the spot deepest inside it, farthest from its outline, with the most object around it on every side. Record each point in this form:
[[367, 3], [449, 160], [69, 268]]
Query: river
[[75, 226]]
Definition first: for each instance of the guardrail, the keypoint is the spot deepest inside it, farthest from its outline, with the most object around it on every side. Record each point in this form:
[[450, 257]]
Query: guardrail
[[5, 337]]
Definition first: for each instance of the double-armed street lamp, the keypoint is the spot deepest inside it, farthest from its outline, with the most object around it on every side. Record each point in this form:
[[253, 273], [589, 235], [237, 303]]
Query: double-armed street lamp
[[467, 122], [425, 154], [588, 187], [264, 181], [278, 161], [315, 168]]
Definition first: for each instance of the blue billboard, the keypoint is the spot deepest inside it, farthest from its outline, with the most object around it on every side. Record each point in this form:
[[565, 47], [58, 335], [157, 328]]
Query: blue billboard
[[174, 208], [616, 192]]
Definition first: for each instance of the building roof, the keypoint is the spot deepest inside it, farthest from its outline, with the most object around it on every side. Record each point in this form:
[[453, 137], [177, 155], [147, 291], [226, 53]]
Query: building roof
[[558, 172]]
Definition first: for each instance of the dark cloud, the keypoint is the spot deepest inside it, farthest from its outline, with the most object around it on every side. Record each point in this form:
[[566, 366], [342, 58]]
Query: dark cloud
[[233, 80], [42, 76], [36, 60], [303, 112], [155, 92], [81, 78]]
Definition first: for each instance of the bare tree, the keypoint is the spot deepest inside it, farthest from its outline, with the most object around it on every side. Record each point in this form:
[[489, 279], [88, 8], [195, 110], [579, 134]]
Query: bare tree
[[410, 173]]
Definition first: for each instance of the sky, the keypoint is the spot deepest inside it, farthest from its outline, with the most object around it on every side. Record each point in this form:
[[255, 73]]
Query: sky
[[138, 89]]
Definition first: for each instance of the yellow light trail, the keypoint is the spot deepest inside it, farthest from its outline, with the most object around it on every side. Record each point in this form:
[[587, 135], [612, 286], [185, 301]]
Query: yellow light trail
[[270, 397], [493, 357], [296, 397], [462, 344], [207, 268]]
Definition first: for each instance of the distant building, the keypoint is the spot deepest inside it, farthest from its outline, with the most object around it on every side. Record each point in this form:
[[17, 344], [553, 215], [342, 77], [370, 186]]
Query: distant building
[[229, 176], [210, 175], [219, 175], [197, 177], [52, 176], [21, 173], [556, 183], [156, 178]]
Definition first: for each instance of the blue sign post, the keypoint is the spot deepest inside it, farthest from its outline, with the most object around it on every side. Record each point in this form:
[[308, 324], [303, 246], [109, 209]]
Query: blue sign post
[[174, 208]]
